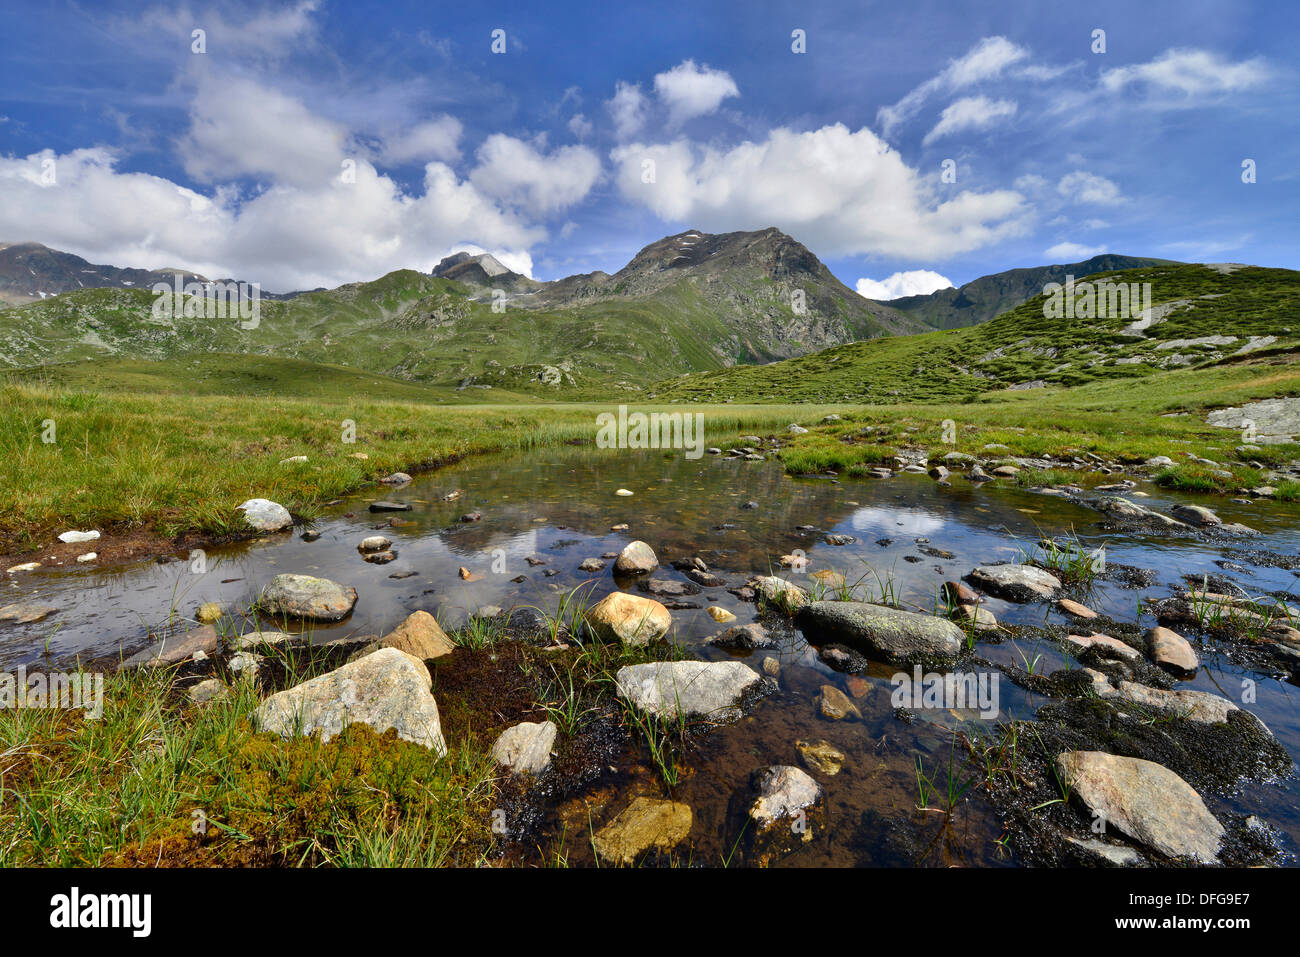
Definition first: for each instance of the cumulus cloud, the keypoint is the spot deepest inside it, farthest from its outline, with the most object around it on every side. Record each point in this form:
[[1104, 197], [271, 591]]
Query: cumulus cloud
[[239, 127], [690, 91], [435, 139], [841, 192], [914, 282], [520, 175], [1084, 187], [1071, 252], [627, 108], [986, 60], [970, 113], [286, 237]]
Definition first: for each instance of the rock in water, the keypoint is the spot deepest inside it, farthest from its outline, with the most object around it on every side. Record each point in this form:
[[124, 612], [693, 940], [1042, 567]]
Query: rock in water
[[1015, 582], [835, 704], [313, 599], [821, 756], [175, 648], [375, 543], [779, 592], [897, 636], [644, 824], [1195, 515], [1172, 651], [526, 747], [636, 558], [1144, 800], [631, 619], [787, 810], [711, 689], [265, 515], [387, 689], [26, 612]]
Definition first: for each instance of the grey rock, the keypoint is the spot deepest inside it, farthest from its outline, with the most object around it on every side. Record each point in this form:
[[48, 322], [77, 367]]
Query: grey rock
[[526, 747], [711, 689], [386, 689], [897, 636]]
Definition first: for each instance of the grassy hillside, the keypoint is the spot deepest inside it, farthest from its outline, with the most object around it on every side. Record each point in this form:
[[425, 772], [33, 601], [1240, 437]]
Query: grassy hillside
[[733, 302], [988, 296], [1024, 347]]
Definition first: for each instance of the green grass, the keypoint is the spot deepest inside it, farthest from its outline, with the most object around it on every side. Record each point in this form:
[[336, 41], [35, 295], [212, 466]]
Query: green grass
[[172, 460], [152, 782]]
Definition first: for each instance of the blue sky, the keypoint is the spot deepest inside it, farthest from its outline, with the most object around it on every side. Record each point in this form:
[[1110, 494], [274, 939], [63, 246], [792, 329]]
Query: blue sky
[[323, 142]]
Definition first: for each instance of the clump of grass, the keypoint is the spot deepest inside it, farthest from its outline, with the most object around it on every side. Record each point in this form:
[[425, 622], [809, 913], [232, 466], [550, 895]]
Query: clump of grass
[[157, 781]]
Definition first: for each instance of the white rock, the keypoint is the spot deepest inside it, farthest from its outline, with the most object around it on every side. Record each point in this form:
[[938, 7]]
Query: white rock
[[265, 515], [74, 536], [526, 747]]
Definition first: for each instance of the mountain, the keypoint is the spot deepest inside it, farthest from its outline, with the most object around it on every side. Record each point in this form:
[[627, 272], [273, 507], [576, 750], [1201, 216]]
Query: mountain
[[981, 299], [1199, 315], [484, 271], [30, 272], [686, 303], [769, 284]]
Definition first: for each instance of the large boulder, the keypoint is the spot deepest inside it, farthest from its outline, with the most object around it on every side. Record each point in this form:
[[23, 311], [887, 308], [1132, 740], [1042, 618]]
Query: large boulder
[[877, 630], [265, 515], [526, 747], [1144, 800], [636, 558], [644, 824], [630, 619], [668, 689], [1018, 583], [312, 599], [387, 689]]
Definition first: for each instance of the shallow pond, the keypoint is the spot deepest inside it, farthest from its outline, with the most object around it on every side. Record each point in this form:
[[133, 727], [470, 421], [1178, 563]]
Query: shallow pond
[[559, 505]]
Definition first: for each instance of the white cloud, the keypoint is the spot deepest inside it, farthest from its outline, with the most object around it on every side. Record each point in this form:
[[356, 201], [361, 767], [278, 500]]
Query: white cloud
[[1072, 252], [915, 282], [517, 173], [434, 139], [970, 113], [628, 109], [840, 192], [1190, 73], [239, 127], [985, 60], [287, 237], [690, 91], [1084, 187], [580, 126]]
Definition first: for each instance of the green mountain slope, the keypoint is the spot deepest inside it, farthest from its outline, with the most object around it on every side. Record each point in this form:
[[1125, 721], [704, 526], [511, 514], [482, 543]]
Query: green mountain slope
[[988, 296], [1201, 315], [741, 297]]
